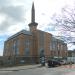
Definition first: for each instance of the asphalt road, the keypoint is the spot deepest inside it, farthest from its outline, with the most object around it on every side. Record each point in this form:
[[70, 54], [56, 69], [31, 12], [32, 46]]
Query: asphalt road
[[40, 71]]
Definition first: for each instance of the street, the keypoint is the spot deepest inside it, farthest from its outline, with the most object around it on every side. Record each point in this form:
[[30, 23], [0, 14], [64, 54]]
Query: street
[[41, 71]]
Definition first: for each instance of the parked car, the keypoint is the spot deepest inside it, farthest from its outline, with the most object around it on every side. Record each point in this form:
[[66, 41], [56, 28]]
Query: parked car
[[53, 63], [63, 62]]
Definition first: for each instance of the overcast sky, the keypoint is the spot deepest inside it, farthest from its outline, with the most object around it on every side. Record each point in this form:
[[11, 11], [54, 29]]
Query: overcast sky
[[15, 15]]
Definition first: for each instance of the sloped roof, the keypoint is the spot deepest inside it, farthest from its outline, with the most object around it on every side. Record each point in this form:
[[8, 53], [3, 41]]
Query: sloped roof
[[44, 31], [21, 32]]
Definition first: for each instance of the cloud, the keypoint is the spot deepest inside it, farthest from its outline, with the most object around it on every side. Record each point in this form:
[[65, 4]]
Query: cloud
[[71, 46], [13, 15], [4, 3]]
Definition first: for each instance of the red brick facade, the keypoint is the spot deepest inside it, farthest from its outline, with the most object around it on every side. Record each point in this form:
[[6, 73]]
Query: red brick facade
[[35, 43]]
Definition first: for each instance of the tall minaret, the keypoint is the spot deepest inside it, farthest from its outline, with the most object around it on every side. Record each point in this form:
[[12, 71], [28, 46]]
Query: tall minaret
[[33, 13], [33, 24]]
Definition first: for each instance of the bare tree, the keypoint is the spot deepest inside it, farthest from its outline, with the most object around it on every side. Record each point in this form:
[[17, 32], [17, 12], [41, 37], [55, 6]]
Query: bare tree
[[67, 21]]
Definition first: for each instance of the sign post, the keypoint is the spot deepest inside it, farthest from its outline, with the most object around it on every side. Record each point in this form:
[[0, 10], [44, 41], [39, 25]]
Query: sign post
[[42, 58], [43, 61]]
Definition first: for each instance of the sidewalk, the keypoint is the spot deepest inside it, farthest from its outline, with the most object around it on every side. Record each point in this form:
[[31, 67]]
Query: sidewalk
[[71, 73], [70, 69], [68, 66], [17, 68]]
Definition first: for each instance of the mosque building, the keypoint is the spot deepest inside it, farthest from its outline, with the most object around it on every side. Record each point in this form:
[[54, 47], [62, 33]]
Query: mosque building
[[29, 46]]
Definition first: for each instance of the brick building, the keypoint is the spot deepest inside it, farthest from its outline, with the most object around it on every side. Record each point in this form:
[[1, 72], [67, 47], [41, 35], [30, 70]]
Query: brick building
[[29, 46]]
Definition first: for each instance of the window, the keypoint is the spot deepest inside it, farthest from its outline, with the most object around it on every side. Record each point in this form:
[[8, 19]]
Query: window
[[41, 39], [50, 45], [16, 47], [27, 52], [6, 49], [53, 45], [27, 43]]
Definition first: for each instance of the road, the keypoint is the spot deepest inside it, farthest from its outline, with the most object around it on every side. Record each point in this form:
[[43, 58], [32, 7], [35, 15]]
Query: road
[[40, 71]]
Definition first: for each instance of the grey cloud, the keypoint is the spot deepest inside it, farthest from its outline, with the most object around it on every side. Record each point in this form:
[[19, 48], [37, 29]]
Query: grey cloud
[[15, 13], [6, 24], [4, 3]]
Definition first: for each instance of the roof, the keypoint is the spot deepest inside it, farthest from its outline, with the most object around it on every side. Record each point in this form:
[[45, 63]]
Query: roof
[[44, 32], [21, 32]]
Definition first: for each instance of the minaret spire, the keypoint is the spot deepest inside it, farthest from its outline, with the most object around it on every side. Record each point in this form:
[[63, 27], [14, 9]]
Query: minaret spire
[[33, 24], [33, 13]]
